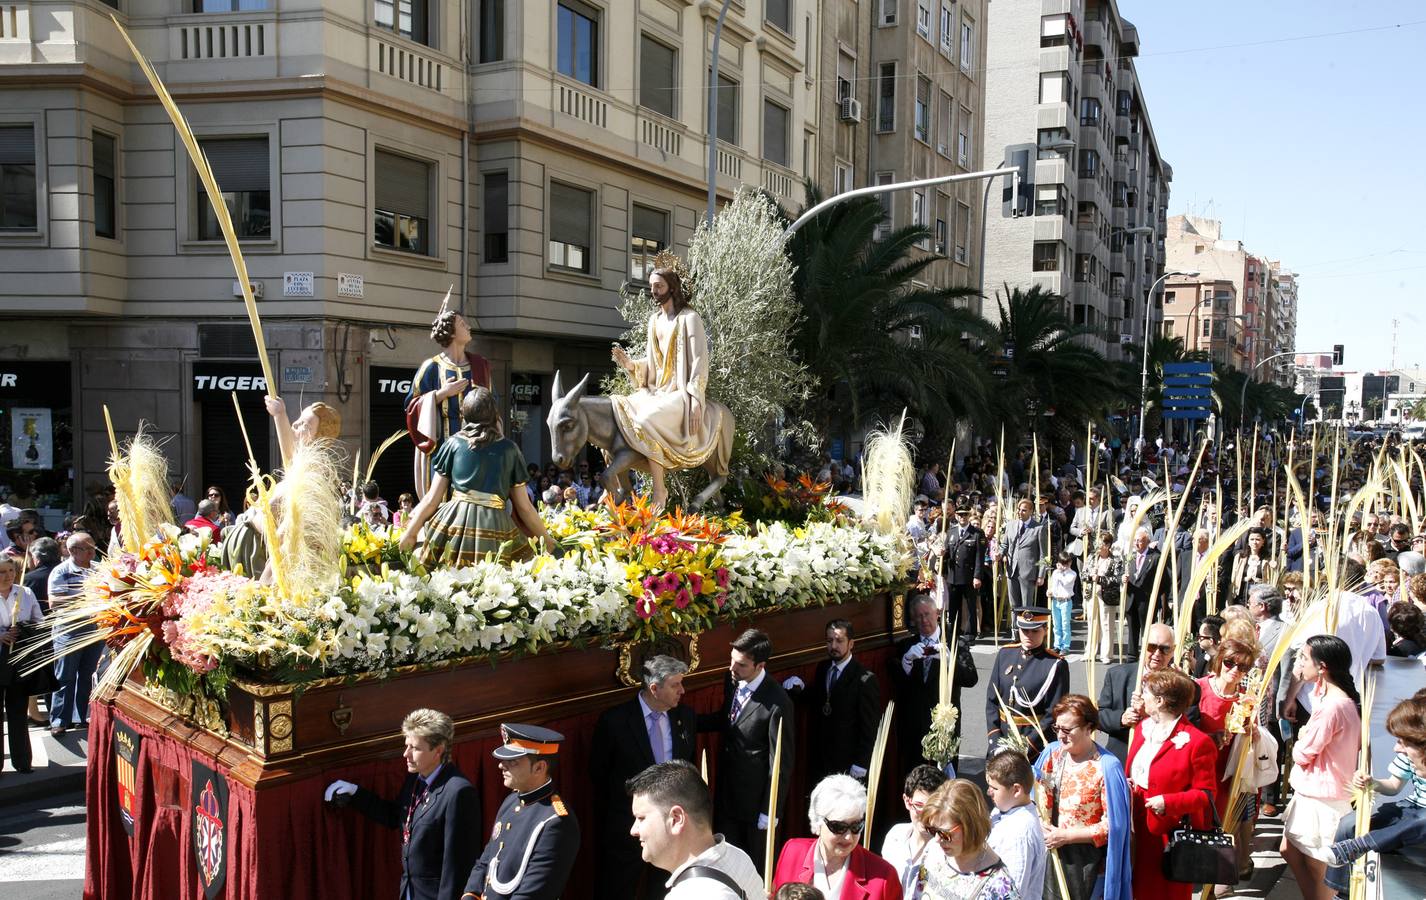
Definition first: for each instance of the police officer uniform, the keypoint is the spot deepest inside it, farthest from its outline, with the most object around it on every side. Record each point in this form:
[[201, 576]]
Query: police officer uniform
[[1029, 683], [535, 839]]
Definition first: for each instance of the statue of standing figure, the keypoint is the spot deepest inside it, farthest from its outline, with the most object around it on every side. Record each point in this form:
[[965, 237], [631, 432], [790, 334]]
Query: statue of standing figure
[[433, 402], [668, 423]]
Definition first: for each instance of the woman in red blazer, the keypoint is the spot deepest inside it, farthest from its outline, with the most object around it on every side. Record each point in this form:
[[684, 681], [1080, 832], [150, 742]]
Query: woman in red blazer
[[1172, 774], [834, 861]]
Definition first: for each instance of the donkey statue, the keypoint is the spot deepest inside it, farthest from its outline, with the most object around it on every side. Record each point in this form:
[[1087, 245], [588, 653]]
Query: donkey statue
[[576, 419]]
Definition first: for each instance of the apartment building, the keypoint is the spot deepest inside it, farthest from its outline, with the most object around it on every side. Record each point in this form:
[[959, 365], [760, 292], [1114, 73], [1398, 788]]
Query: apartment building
[[1064, 103], [532, 157], [1241, 308]]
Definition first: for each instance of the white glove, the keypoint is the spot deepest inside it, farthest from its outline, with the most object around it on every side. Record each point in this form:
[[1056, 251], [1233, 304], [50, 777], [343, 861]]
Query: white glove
[[793, 682], [762, 821], [340, 787], [916, 652], [857, 772]]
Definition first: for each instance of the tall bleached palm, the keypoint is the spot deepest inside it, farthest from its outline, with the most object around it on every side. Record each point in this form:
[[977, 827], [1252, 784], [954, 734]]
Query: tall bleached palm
[[1047, 364], [877, 340]]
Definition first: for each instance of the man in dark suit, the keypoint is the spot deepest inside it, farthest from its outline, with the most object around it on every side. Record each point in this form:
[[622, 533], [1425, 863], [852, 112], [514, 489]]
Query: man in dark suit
[[845, 709], [650, 728], [1190, 560], [1022, 549], [437, 811], [1139, 570], [963, 567], [755, 709], [1121, 707], [915, 667]]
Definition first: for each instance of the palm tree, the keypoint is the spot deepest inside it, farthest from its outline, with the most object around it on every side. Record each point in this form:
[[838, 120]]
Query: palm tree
[[1413, 410], [1047, 363], [876, 341]]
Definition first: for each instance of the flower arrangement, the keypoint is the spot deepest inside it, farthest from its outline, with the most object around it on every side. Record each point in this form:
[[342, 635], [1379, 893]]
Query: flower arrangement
[[800, 500], [1242, 715], [369, 548], [941, 744]]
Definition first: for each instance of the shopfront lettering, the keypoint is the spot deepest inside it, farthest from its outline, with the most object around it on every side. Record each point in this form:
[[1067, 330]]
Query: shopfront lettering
[[9, 379], [393, 386], [230, 383]]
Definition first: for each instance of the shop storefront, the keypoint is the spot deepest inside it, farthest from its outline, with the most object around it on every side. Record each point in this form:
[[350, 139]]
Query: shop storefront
[[37, 450], [386, 414], [223, 456]]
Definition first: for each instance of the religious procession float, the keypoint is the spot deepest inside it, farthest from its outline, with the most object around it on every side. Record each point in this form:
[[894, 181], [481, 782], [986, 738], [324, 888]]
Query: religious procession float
[[244, 677]]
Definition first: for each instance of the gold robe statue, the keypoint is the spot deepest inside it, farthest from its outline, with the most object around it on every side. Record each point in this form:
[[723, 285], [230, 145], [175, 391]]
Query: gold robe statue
[[668, 419]]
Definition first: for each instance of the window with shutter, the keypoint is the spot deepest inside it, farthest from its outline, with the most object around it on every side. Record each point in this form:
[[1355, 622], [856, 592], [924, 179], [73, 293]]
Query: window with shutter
[[578, 51], [779, 13], [728, 109], [658, 77], [571, 227], [402, 220], [242, 168], [775, 123], [648, 234], [18, 204], [496, 218]]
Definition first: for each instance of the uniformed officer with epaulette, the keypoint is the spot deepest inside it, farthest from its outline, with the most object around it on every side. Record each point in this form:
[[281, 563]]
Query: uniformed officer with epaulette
[[532, 847], [1028, 678]]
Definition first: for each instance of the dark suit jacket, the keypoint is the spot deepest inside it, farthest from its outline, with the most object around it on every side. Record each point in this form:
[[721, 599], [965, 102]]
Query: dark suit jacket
[[1141, 583], [445, 833], [620, 749], [918, 692], [844, 736], [964, 559], [1114, 699], [745, 758]]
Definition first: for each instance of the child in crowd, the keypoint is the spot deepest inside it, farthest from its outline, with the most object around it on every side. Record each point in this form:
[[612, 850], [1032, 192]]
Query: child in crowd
[[1062, 583], [1396, 824], [1015, 832]]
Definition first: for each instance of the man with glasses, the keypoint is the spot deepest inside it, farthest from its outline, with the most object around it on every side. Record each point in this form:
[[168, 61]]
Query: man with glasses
[[1026, 681], [76, 653], [906, 843], [22, 531], [1121, 706]]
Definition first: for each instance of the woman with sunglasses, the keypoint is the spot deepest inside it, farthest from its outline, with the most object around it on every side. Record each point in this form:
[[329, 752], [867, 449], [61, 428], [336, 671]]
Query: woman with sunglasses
[[225, 512], [834, 861], [1219, 692], [960, 866], [1087, 804], [1171, 777]]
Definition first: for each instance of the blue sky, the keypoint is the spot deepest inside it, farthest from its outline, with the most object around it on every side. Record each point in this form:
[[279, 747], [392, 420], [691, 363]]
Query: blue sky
[[1296, 126]]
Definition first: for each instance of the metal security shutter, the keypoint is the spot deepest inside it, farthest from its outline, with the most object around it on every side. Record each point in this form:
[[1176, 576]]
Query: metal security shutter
[[239, 164], [103, 155], [651, 224], [403, 185], [17, 145], [224, 456], [570, 215], [657, 76]]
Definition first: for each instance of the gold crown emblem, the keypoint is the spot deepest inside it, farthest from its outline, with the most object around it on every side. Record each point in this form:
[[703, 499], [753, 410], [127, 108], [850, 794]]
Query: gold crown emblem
[[667, 259]]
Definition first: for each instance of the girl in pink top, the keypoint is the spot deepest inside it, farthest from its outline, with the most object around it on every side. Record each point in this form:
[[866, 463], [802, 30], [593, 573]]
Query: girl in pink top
[[1324, 760]]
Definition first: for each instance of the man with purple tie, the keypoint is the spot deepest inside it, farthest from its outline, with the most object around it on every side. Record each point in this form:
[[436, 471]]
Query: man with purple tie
[[755, 708], [650, 728]]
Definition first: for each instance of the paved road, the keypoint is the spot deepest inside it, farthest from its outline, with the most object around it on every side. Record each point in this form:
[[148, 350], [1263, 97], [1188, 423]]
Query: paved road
[[42, 847]]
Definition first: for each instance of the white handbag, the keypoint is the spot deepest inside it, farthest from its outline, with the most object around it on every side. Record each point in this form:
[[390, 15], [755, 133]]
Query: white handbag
[[1262, 768]]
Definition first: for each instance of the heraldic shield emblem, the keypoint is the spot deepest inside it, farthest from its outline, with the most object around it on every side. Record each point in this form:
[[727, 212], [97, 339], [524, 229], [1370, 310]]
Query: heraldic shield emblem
[[209, 814], [126, 771]]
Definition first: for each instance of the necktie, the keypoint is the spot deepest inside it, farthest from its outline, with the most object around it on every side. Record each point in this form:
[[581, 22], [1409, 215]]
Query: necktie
[[421, 791], [738, 700], [926, 660], [656, 737], [1140, 564], [832, 678]]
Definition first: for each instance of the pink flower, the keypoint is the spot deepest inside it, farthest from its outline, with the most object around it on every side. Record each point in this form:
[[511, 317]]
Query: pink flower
[[646, 606], [682, 598], [720, 600], [650, 582], [695, 582], [669, 583], [721, 576]]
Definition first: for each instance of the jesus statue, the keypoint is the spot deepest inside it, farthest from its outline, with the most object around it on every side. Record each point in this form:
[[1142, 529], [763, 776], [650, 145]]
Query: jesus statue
[[668, 418]]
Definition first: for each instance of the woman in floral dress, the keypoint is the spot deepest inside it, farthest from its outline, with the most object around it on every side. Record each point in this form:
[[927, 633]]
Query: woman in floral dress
[[1087, 806], [959, 865]]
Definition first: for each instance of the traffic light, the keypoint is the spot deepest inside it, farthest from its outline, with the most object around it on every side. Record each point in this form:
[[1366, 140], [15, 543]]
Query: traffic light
[[1019, 200], [1336, 354]]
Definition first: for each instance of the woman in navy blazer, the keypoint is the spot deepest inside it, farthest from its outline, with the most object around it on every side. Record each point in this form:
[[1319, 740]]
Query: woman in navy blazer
[[1172, 775], [834, 861]]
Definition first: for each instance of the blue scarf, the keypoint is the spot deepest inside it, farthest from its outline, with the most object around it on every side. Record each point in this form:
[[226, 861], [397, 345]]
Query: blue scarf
[[1118, 872]]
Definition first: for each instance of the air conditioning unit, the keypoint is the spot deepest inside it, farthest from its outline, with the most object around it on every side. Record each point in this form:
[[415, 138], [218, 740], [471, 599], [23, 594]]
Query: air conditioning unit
[[851, 110]]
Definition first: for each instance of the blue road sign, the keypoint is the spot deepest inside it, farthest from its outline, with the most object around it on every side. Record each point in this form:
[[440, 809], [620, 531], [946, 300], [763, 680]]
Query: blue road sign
[[1188, 402], [1188, 368], [1187, 414]]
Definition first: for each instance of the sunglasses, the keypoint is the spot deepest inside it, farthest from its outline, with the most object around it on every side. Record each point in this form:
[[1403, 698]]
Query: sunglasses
[[1229, 665], [943, 834], [1163, 648], [844, 828], [1065, 732]]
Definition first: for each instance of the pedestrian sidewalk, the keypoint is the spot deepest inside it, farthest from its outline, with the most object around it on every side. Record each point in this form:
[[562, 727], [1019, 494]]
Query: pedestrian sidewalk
[[59, 764]]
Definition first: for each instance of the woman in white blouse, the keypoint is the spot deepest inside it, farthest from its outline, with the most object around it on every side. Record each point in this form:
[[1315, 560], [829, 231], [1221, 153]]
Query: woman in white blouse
[[17, 606]]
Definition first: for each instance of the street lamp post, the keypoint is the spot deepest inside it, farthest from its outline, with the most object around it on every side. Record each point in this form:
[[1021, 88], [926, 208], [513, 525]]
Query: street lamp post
[[1243, 395], [1144, 350], [870, 190]]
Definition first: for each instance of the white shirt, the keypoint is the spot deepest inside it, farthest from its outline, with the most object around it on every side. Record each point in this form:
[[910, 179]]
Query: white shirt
[[727, 859], [1358, 623], [829, 885], [29, 607], [896, 850], [1062, 584], [1019, 841]]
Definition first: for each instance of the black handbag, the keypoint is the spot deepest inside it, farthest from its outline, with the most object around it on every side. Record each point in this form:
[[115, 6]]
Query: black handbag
[[1109, 590], [42, 680], [1201, 857]]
